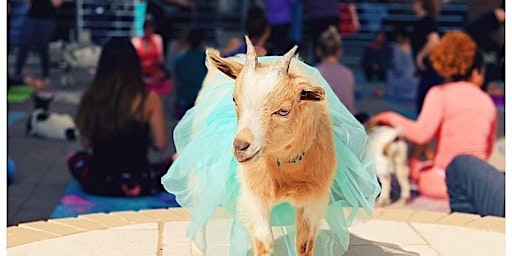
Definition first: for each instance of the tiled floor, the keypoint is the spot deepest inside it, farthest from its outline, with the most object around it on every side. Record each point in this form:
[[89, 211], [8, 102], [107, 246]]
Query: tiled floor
[[161, 233]]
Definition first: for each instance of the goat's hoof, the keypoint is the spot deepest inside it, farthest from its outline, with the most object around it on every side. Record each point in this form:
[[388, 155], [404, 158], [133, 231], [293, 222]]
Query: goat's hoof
[[383, 202]]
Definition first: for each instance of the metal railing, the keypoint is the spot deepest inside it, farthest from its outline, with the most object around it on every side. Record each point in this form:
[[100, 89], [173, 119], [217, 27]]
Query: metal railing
[[223, 19]]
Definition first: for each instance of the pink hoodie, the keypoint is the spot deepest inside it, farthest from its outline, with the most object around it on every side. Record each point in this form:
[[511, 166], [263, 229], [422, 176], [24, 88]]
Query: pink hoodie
[[458, 114]]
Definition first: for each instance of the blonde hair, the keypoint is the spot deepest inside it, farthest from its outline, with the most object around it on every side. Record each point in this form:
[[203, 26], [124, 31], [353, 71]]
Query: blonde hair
[[329, 42]]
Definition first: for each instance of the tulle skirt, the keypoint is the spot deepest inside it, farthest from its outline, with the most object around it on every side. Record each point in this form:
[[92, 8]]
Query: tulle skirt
[[204, 177]]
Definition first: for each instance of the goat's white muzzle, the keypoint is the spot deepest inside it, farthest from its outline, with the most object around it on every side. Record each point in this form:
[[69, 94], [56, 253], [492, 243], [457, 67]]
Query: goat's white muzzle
[[244, 148]]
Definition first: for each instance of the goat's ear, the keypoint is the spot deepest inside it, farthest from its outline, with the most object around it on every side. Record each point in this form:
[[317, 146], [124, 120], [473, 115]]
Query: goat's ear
[[312, 93], [228, 67]]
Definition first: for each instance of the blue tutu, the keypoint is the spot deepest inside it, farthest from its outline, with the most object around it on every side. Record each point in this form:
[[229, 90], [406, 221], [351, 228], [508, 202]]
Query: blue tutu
[[204, 176]]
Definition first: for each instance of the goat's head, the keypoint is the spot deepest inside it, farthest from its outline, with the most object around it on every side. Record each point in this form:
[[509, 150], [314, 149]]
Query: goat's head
[[271, 104]]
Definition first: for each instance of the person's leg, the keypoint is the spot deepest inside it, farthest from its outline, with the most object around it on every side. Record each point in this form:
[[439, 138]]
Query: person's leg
[[45, 29], [432, 183], [416, 166], [475, 187], [24, 42], [368, 73], [78, 165], [160, 168], [152, 183], [113, 184]]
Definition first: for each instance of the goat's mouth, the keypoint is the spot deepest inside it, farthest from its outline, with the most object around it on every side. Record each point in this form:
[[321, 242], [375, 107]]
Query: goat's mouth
[[242, 157]]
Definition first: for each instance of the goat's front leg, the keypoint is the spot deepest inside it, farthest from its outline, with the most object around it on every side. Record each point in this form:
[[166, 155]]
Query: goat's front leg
[[309, 217], [255, 212]]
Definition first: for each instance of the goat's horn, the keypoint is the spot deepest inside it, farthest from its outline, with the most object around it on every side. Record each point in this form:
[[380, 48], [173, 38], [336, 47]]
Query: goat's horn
[[284, 63], [251, 57]]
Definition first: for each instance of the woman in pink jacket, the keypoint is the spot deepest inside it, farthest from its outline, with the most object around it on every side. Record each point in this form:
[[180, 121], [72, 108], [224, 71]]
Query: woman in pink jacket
[[458, 115]]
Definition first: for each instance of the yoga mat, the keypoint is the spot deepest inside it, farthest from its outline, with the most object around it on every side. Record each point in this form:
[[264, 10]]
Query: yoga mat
[[14, 116], [76, 202], [19, 93]]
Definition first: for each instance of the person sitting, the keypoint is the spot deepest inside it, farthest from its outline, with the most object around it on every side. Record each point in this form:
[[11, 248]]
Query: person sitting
[[279, 15], [376, 58], [340, 78], [258, 30], [149, 47], [401, 79], [118, 120], [190, 72], [458, 114], [475, 187]]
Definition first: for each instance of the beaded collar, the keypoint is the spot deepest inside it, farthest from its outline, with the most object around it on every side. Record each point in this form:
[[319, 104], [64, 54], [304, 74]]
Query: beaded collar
[[296, 159]]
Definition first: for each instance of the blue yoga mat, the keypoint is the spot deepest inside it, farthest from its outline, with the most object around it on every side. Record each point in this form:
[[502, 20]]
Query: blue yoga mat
[[14, 116], [76, 202]]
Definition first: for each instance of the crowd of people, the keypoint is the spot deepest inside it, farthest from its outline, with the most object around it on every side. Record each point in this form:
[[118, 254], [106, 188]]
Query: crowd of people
[[121, 114]]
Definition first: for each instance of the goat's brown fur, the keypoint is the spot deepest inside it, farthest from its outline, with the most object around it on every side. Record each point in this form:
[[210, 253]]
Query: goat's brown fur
[[268, 176]]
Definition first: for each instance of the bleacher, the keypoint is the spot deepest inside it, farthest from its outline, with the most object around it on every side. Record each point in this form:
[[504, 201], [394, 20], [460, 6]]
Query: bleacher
[[379, 16], [224, 19]]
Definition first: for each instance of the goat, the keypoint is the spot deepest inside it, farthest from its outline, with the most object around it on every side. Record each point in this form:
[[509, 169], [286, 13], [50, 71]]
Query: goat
[[283, 144], [390, 155], [46, 124]]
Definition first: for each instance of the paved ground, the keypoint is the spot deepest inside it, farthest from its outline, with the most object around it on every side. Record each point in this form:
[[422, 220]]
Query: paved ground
[[162, 232], [42, 175]]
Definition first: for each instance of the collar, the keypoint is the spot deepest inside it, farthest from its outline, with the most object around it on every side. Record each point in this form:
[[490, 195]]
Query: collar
[[293, 160]]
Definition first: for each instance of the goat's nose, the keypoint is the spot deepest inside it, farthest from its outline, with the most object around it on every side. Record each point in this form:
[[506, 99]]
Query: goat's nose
[[241, 145]]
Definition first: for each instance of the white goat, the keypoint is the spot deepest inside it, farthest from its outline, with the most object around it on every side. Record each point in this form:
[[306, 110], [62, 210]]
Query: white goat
[[284, 146], [390, 155]]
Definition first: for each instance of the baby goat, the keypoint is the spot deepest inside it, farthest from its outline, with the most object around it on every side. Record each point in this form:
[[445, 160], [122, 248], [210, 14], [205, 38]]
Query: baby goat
[[390, 155], [284, 146]]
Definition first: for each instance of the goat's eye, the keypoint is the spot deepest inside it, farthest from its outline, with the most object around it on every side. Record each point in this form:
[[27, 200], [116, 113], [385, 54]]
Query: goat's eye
[[283, 112], [234, 100]]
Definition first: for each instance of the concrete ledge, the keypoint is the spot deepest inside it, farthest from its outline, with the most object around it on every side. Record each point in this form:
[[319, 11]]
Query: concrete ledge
[[385, 227]]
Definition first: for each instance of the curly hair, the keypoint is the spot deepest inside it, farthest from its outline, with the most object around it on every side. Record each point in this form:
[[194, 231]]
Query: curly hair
[[454, 56]]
